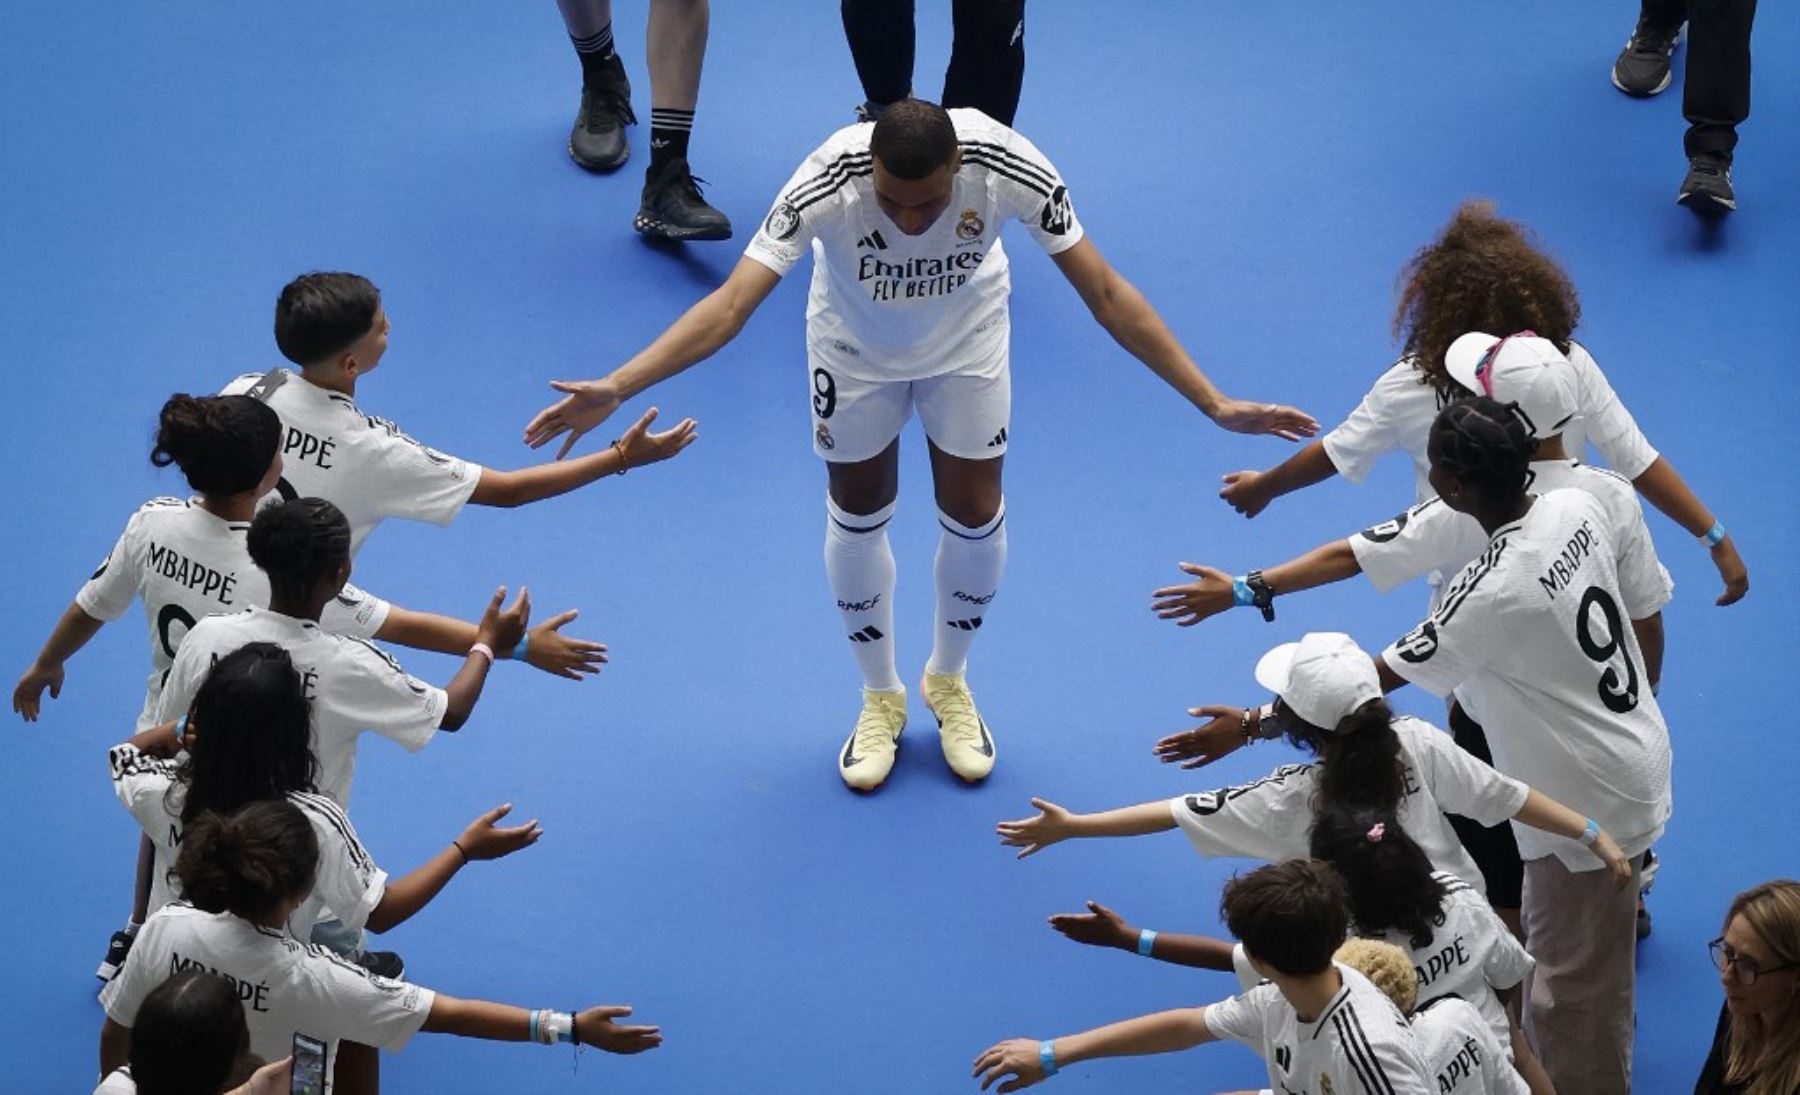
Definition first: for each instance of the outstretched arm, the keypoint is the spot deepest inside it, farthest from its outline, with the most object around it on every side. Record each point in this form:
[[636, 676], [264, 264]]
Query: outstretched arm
[[1054, 824], [1250, 492], [1163, 1032], [1214, 590], [1135, 325], [71, 633], [637, 447], [1102, 927], [506, 1023], [500, 630], [483, 839], [700, 332], [1668, 492], [546, 647]]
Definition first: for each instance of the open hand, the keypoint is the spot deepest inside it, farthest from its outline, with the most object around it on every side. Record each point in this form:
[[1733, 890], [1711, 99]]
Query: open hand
[[1242, 416], [1244, 492], [1017, 1057], [484, 839], [639, 446], [586, 404], [1221, 735], [563, 655], [502, 629], [30, 689], [1098, 927], [1188, 604], [595, 1027], [1725, 557], [1052, 824]]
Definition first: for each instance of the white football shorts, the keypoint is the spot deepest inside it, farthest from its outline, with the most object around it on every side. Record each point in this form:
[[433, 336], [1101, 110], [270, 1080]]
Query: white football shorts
[[965, 411]]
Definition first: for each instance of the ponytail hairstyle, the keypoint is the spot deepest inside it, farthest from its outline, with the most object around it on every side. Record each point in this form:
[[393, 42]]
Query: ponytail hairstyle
[[1483, 273], [249, 863], [189, 1036], [320, 315], [253, 735], [1484, 445], [1361, 764], [1390, 880], [224, 444], [299, 543], [1765, 1056]]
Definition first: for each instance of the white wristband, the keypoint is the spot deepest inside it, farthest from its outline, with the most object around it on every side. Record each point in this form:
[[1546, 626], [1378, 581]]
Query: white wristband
[[484, 650]]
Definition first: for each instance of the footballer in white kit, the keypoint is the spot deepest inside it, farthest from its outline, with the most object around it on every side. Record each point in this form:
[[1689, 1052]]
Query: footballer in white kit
[[908, 309], [1461, 1052]]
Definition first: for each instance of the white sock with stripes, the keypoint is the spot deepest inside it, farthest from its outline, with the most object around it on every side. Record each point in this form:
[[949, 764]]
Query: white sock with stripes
[[860, 566], [969, 564]]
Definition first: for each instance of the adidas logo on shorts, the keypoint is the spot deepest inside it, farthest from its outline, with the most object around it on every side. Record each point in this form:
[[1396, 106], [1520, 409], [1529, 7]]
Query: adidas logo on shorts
[[999, 439]]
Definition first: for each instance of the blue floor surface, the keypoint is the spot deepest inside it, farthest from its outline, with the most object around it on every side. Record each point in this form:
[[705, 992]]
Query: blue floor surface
[[1260, 171]]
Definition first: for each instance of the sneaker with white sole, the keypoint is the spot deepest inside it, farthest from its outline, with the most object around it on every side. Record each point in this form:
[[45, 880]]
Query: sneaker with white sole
[[1643, 68], [117, 948], [968, 746], [868, 754]]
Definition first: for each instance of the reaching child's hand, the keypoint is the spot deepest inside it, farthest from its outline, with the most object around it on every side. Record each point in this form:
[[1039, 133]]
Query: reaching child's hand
[[595, 1027], [484, 839], [639, 446], [1034, 834], [563, 655], [30, 690], [1098, 927], [502, 630]]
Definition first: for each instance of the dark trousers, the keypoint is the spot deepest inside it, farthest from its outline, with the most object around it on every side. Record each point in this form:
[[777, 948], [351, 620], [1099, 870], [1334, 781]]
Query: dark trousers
[[1492, 847], [987, 57], [1716, 97]]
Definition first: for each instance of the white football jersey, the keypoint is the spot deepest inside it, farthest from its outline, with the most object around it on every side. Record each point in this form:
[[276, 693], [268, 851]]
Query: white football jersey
[[888, 306], [1433, 537], [1472, 955], [186, 564], [1535, 639], [1397, 414], [285, 985], [349, 884], [1358, 1045], [353, 684], [362, 464], [1460, 1050], [1272, 818]]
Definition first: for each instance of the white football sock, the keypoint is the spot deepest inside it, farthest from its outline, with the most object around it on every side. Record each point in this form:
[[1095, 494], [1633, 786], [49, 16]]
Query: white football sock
[[969, 564], [860, 566]]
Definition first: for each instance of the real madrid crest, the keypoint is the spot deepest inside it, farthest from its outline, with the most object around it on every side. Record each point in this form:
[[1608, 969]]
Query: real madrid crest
[[969, 226], [823, 436], [783, 222]]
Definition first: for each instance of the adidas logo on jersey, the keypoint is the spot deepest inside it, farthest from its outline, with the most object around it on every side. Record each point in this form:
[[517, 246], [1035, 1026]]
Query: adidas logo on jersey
[[873, 240]]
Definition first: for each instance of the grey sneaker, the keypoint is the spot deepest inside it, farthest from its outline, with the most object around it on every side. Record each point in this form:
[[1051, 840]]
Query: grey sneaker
[[1642, 68], [1707, 188], [597, 143]]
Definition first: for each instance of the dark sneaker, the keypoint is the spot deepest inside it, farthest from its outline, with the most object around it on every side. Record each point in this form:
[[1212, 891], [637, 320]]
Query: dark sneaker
[[1642, 68], [597, 142], [382, 963], [116, 950], [1707, 188], [869, 111], [672, 208]]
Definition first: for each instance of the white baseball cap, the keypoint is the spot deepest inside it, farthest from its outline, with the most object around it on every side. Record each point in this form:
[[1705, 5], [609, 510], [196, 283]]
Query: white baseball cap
[[1322, 678], [1522, 369]]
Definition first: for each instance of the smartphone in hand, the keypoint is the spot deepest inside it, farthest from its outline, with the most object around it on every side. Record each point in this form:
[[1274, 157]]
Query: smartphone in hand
[[309, 1065]]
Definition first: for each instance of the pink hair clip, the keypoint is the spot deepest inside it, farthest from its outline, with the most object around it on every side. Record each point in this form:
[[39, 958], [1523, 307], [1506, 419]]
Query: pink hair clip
[[1377, 831]]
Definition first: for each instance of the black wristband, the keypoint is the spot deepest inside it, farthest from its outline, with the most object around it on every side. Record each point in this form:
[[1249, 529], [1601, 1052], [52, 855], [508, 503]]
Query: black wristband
[[1262, 594]]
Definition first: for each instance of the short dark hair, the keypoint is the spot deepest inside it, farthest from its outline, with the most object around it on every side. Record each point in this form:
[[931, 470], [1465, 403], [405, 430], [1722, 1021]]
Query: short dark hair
[[321, 314], [1291, 915], [1483, 443], [249, 862], [188, 1036], [223, 443], [298, 542], [913, 138]]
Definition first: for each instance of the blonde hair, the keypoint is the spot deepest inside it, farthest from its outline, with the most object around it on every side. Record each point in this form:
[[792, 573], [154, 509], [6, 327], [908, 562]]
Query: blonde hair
[[1388, 967], [1766, 1056]]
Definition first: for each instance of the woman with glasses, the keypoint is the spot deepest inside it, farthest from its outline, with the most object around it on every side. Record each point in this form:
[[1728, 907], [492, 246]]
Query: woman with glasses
[[1756, 1050], [1328, 702]]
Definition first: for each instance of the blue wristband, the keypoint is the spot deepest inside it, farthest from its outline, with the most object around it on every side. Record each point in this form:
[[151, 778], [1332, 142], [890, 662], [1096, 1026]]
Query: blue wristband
[[1589, 834], [1146, 942], [1240, 593], [181, 730], [1047, 1057], [534, 1026], [518, 654], [1714, 534]]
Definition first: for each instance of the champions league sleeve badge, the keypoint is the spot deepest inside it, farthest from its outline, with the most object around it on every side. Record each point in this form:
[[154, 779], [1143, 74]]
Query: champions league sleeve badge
[[969, 226], [783, 222]]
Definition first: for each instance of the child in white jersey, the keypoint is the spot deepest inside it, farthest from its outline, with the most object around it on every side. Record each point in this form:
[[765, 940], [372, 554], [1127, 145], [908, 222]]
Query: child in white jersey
[[1319, 1026], [333, 326], [1457, 1046], [191, 1037], [1483, 273], [243, 876], [1328, 702], [248, 738], [304, 547], [186, 560], [909, 307]]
